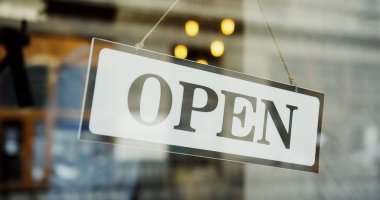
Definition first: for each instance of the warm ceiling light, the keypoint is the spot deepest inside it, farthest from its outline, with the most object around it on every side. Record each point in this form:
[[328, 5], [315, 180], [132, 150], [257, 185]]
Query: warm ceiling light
[[227, 26], [217, 48], [191, 28], [180, 51], [202, 61]]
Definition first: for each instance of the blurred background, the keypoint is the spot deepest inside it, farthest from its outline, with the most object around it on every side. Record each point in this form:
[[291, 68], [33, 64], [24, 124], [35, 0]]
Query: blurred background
[[330, 46]]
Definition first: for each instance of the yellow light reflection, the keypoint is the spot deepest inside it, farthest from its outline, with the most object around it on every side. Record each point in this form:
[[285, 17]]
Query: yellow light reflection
[[217, 48], [227, 26], [191, 28], [180, 51], [202, 61]]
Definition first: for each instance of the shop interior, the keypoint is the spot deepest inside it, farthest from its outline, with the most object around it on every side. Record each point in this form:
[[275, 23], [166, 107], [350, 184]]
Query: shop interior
[[44, 51]]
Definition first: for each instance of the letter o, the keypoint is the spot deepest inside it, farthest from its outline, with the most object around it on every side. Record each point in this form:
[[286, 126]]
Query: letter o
[[137, 86]]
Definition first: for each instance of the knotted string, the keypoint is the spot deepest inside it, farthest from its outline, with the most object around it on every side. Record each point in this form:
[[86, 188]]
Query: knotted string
[[141, 43]]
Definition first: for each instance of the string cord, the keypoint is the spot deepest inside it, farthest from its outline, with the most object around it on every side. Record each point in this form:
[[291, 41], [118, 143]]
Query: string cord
[[291, 79], [141, 43]]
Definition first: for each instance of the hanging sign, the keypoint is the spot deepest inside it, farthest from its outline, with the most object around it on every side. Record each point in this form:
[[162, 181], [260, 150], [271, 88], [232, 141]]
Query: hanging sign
[[153, 99]]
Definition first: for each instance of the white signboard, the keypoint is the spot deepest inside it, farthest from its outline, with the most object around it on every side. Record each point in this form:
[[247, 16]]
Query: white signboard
[[203, 110]]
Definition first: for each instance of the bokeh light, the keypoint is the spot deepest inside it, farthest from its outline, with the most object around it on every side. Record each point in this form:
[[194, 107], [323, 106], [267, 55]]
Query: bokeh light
[[227, 26], [192, 28], [217, 48], [180, 51], [202, 61]]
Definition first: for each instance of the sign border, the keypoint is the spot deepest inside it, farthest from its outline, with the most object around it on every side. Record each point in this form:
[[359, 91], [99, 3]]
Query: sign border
[[87, 102]]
